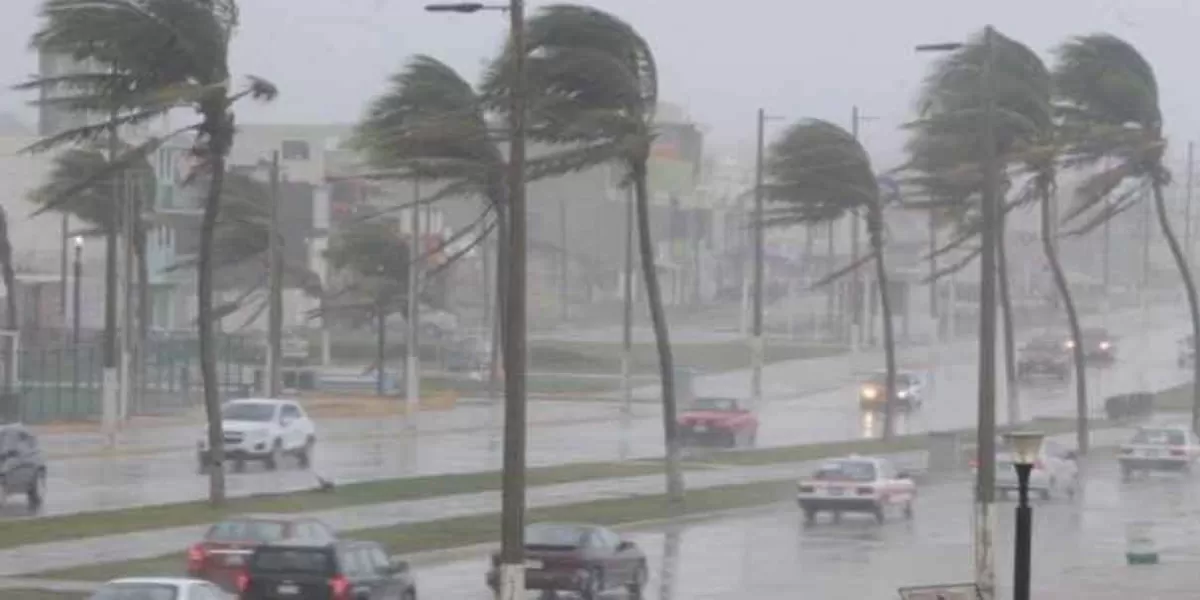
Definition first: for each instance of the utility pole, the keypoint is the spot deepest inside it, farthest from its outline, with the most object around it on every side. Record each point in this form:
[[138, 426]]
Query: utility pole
[[512, 530], [627, 326], [859, 303], [412, 347], [563, 263], [1187, 208], [274, 288], [64, 228], [985, 494], [756, 341], [110, 381], [129, 226]]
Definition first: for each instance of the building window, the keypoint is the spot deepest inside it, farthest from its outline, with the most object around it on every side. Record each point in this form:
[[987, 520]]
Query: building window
[[294, 150]]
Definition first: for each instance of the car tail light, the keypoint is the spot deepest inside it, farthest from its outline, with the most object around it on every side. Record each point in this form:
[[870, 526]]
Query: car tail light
[[196, 555], [243, 582], [340, 586], [1177, 452]]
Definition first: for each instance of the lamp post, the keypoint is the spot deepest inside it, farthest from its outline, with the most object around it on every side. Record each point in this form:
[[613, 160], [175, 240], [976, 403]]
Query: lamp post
[[985, 478], [1026, 446], [77, 303], [756, 342], [511, 581]]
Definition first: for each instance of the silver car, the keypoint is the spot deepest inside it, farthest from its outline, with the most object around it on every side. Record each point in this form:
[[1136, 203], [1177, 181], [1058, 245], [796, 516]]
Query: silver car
[[1055, 473]]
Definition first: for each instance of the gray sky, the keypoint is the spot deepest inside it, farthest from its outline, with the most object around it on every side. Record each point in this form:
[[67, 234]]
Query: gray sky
[[720, 60]]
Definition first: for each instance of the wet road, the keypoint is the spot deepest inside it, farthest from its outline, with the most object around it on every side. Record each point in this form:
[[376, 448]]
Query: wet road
[[1147, 361], [770, 554]]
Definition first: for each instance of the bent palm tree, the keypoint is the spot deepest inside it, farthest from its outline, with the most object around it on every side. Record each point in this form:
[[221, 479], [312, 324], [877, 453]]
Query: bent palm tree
[[593, 87], [153, 56], [1111, 120], [819, 174]]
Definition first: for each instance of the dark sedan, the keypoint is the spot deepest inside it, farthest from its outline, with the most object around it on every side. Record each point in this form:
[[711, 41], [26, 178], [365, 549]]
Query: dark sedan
[[1045, 355], [1098, 346], [585, 559]]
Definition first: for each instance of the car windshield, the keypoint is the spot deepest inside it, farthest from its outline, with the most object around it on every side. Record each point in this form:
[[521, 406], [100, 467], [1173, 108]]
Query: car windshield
[[846, 470], [1048, 344], [715, 404], [248, 411], [136, 591], [551, 534], [246, 530], [316, 561], [1095, 335], [1160, 437]]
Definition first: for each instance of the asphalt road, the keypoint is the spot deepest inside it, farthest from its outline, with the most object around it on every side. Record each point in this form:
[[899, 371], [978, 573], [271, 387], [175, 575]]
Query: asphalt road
[[770, 554], [1147, 361]]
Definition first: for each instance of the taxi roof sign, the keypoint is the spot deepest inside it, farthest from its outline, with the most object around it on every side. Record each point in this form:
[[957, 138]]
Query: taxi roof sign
[[945, 591]]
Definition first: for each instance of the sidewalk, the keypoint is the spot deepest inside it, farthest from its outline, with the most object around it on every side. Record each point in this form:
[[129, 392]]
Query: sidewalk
[[55, 556]]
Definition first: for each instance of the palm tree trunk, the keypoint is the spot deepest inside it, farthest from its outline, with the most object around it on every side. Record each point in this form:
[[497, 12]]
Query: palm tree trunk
[[1064, 292], [380, 349], [1010, 354], [875, 231], [204, 300], [1164, 221], [658, 319]]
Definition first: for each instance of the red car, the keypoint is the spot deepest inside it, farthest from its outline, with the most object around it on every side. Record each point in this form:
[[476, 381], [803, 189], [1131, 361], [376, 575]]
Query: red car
[[221, 556], [718, 421]]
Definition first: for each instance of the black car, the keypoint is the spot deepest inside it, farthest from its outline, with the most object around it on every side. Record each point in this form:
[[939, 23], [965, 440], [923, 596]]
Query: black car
[[345, 570], [1098, 346], [588, 560], [1044, 356], [22, 465]]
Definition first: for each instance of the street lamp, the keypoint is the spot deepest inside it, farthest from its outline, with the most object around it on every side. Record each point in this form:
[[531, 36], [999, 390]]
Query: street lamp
[[511, 581], [1027, 446], [985, 478], [756, 342], [78, 241]]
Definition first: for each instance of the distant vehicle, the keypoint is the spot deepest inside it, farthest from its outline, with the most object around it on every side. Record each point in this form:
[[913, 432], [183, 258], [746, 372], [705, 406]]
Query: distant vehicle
[[586, 559], [1097, 345], [221, 556], [346, 570], [720, 421], [263, 430], [856, 484], [1187, 351], [22, 465], [1044, 355], [159, 588], [1173, 448], [910, 390], [1056, 470]]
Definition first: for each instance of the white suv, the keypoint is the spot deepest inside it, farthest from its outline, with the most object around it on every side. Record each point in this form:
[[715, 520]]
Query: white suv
[[263, 430]]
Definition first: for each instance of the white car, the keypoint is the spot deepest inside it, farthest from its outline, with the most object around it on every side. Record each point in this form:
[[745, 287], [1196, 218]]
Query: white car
[[1055, 472], [156, 588], [856, 484], [263, 430], [1165, 448]]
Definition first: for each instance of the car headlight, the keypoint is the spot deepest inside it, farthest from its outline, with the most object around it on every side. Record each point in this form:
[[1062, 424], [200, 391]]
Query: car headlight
[[1070, 344], [869, 392], [1105, 345], [902, 393]]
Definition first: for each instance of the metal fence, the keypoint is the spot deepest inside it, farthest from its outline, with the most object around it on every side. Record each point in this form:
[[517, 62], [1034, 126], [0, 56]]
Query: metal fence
[[65, 383]]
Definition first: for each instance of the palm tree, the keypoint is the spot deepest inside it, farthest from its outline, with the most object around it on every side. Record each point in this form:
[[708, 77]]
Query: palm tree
[[9, 276], [430, 124], [820, 174], [1108, 99], [153, 56], [593, 88], [72, 186]]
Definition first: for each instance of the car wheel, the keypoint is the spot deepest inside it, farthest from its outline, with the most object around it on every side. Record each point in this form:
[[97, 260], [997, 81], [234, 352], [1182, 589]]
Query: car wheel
[[908, 510], [304, 456], [638, 585], [37, 491], [753, 438], [594, 586], [880, 517], [1126, 473], [273, 459]]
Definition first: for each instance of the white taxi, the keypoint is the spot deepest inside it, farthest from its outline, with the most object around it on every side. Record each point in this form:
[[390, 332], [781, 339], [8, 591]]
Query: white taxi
[[1162, 448], [856, 484]]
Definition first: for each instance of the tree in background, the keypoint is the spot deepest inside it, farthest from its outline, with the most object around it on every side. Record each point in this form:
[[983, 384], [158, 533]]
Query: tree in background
[[818, 173], [374, 260]]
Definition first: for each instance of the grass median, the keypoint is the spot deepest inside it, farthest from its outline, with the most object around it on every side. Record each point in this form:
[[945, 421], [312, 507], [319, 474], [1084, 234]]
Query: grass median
[[476, 529]]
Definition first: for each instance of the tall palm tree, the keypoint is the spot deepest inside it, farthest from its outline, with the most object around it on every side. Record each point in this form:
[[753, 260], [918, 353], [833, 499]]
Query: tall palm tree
[[820, 174], [945, 150], [1109, 107], [593, 88], [431, 124], [153, 56]]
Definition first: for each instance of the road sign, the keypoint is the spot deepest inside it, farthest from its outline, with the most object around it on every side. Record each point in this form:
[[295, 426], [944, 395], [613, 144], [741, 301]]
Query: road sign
[[946, 591]]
